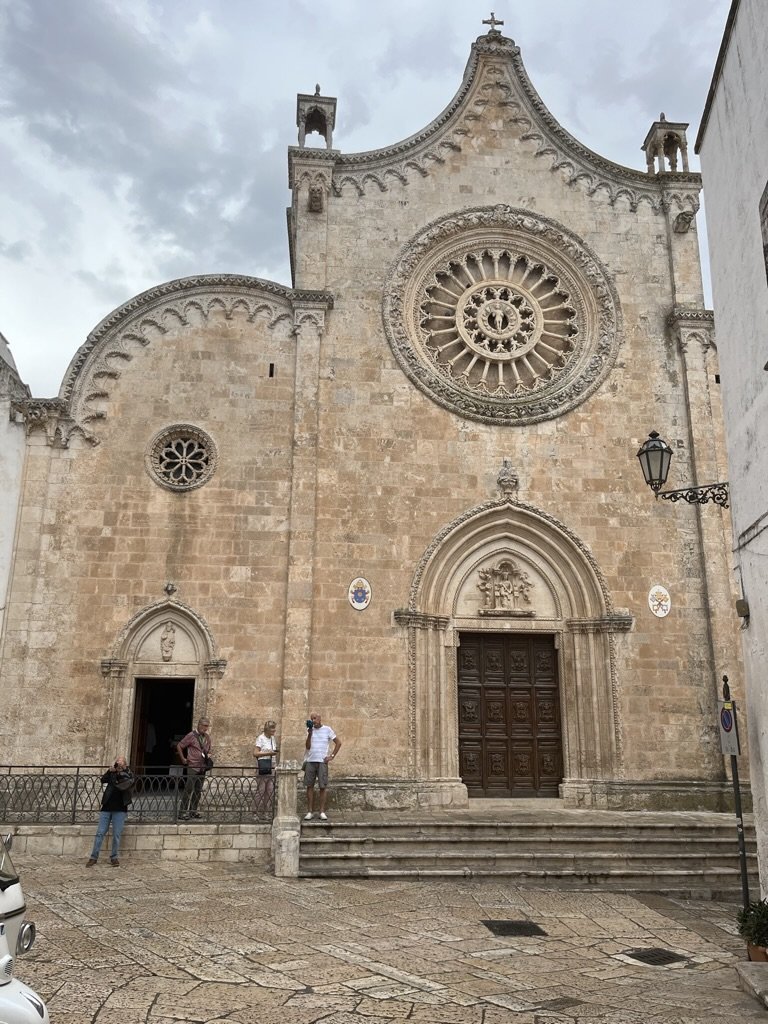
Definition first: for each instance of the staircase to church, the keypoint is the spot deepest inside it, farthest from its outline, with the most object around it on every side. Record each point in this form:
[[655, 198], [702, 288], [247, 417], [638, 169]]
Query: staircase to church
[[685, 854]]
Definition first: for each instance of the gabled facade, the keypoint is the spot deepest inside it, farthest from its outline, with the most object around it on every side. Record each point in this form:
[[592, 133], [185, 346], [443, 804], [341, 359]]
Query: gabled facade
[[403, 491]]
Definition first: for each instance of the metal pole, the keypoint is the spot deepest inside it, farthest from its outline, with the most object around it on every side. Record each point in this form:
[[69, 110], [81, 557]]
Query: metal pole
[[739, 815], [75, 795]]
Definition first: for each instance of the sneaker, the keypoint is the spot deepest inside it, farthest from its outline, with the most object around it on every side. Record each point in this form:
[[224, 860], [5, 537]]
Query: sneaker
[[308, 816], [195, 814], [323, 816], [114, 862], [183, 816], [91, 862]]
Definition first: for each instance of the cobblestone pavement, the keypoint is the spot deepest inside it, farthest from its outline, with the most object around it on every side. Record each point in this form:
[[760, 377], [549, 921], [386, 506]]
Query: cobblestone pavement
[[164, 943]]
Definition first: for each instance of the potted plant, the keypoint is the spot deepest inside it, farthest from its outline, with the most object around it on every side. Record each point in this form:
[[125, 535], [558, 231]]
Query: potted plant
[[753, 926]]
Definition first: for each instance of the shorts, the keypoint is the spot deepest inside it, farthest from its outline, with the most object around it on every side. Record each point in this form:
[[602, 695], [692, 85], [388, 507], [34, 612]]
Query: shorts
[[316, 771]]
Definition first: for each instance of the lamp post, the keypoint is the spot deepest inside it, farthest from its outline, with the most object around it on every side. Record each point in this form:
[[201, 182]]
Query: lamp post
[[655, 457]]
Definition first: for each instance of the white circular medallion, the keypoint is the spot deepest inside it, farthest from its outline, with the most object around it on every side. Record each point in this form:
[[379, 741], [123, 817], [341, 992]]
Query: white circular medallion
[[359, 593], [659, 600]]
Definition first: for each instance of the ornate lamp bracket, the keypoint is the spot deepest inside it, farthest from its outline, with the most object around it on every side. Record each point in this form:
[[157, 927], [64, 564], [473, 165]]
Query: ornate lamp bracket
[[717, 493]]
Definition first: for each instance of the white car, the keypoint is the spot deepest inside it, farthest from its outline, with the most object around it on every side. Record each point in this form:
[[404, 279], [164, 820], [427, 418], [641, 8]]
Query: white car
[[18, 1003]]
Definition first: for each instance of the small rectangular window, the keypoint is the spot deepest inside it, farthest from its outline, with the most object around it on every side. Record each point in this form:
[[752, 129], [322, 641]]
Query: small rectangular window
[[271, 369]]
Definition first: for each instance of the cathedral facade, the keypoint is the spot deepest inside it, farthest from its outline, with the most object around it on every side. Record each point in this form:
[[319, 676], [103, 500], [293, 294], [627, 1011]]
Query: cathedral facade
[[402, 491]]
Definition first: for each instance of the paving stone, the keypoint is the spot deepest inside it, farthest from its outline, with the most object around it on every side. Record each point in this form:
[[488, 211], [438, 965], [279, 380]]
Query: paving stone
[[178, 945]]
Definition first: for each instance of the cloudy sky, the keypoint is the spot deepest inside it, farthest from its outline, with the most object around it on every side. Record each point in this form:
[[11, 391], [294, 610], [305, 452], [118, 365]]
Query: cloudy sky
[[143, 140]]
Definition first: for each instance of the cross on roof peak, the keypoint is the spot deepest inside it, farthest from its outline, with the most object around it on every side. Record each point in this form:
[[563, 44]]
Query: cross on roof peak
[[493, 22]]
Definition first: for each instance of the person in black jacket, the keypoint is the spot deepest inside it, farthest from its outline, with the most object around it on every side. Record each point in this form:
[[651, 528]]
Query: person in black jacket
[[114, 808]]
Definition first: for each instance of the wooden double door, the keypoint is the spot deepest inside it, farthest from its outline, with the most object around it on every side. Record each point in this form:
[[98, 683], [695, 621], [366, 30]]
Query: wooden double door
[[510, 741]]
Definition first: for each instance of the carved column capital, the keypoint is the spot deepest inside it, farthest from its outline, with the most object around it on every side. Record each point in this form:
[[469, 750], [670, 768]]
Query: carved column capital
[[113, 669], [215, 669], [420, 620]]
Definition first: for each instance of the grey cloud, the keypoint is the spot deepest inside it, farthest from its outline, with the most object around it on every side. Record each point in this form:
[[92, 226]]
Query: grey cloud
[[109, 287], [16, 251]]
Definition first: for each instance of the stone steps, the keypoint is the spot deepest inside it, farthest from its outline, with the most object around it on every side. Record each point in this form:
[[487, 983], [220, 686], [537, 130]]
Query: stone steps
[[685, 855]]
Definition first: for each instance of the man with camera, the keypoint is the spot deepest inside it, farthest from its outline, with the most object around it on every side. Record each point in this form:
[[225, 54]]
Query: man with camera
[[114, 809], [319, 754], [194, 749]]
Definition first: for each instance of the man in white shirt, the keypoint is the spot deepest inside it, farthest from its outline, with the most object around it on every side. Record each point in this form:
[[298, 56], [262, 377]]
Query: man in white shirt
[[319, 754]]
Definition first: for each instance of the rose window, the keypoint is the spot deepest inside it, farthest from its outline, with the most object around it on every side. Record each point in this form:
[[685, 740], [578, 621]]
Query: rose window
[[498, 322], [502, 316], [181, 457]]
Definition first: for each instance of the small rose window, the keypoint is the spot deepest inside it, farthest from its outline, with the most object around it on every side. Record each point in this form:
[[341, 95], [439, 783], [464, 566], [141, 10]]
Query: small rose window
[[181, 457]]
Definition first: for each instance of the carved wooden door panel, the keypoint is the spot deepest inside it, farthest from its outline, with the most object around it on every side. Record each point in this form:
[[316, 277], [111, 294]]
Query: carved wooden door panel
[[509, 716]]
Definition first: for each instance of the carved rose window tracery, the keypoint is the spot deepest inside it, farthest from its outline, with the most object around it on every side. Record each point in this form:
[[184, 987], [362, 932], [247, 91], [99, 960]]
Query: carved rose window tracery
[[498, 322], [502, 316], [181, 457]]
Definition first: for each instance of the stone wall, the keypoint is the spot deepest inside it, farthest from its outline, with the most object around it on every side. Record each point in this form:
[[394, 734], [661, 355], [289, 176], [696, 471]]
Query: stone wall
[[236, 843]]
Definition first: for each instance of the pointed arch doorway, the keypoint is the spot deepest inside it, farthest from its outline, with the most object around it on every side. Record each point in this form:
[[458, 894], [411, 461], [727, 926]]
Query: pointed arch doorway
[[504, 578], [161, 677]]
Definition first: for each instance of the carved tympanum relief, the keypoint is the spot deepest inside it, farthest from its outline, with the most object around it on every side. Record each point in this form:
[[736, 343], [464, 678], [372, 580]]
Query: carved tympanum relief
[[506, 590], [167, 641], [504, 583], [502, 316]]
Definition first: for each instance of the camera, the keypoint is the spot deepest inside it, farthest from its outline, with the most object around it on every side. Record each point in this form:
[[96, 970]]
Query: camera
[[310, 724]]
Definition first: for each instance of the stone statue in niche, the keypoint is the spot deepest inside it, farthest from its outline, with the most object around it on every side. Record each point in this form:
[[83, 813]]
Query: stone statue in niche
[[506, 590], [168, 641]]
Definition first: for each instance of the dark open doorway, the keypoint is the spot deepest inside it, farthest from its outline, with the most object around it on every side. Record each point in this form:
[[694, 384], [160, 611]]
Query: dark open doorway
[[162, 715]]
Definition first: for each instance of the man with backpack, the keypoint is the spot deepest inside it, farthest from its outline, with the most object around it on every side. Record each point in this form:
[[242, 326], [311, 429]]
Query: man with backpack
[[194, 749]]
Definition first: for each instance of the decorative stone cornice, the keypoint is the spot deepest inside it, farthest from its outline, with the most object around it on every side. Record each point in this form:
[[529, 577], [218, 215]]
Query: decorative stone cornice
[[618, 623], [682, 316], [50, 416], [694, 329], [495, 74], [420, 620]]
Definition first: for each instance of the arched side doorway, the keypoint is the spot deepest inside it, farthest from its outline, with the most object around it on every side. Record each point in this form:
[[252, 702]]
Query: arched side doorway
[[508, 570], [160, 675]]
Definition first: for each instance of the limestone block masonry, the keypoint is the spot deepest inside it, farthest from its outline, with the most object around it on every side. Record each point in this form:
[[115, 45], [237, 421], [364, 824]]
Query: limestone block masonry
[[484, 323]]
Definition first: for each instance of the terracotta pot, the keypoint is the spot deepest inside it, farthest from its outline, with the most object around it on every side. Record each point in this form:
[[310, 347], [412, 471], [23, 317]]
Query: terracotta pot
[[757, 954]]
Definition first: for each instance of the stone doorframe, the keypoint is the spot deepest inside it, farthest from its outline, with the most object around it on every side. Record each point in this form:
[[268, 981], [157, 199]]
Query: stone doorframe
[[573, 604], [164, 640]]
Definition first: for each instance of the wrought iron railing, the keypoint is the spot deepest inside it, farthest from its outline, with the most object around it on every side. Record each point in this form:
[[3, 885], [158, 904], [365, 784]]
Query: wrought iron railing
[[71, 794]]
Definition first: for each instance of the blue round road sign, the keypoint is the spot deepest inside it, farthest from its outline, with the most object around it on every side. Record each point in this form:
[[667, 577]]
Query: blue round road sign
[[726, 720]]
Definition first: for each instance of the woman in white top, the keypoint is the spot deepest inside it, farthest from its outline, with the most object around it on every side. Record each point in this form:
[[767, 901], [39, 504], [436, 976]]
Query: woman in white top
[[265, 751]]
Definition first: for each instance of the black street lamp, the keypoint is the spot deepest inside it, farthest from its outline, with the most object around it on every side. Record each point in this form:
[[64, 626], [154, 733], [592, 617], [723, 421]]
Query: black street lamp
[[655, 456]]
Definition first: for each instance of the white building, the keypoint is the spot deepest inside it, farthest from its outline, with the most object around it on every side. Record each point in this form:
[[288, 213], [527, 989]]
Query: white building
[[733, 146]]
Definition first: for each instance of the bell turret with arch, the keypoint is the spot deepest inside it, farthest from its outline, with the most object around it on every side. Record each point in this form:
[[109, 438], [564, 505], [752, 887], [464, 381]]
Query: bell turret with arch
[[315, 113]]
